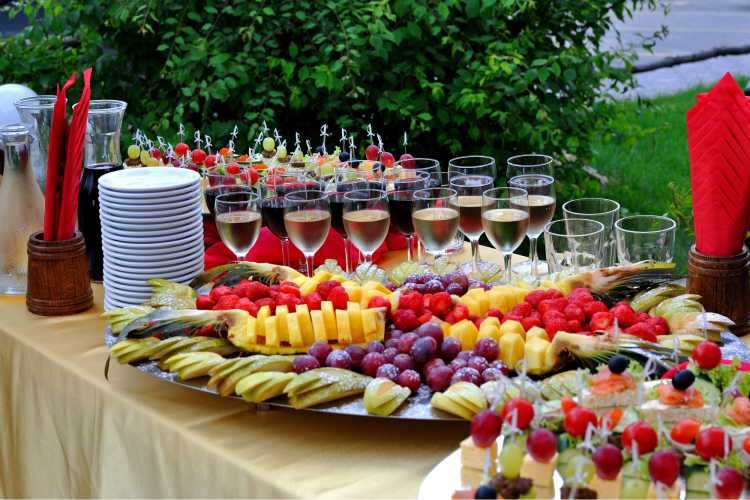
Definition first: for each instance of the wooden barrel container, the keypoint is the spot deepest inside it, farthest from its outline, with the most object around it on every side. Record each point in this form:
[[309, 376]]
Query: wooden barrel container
[[724, 284], [58, 278]]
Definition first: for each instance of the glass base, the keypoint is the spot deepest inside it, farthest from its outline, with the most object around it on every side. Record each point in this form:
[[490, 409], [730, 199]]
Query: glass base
[[11, 284]]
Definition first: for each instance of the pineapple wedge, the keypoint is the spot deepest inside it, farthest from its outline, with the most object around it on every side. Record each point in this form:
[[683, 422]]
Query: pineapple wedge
[[272, 332], [353, 290], [490, 328], [536, 332], [512, 349], [367, 296], [308, 287], [305, 324], [373, 323], [263, 313], [355, 322], [343, 327], [535, 352], [329, 318], [466, 332], [319, 326], [512, 326], [282, 327], [294, 330], [471, 304], [244, 338]]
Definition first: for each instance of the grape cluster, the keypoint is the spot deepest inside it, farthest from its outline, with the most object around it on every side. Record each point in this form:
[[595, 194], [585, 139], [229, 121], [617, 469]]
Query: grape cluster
[[455, 283]]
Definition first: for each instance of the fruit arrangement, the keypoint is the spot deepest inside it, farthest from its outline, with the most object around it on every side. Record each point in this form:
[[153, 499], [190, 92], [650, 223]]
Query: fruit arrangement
[[403, 340]]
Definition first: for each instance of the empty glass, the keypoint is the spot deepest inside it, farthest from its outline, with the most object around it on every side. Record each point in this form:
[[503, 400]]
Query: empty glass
[[598, 209], [573, 245], [36, 114], [645, 237]]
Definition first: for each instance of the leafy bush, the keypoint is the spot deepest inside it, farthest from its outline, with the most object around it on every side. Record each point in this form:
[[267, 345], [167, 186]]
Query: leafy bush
[[461, 76]]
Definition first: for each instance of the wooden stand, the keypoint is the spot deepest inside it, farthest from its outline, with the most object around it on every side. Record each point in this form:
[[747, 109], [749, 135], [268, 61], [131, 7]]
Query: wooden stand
[[58, 279], [724, 284]]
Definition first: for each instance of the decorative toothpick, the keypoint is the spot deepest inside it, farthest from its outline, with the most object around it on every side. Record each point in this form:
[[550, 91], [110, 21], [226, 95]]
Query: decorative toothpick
[[380, 142], [406, 141], [230, 147], [616, 331], [676, 348], [587, 443], [580, 384], [162, 143], [197, 138], [149, 143], [181, 133], [235, 132], [323, 134], [309, 148], [648, 368], [208, 143], [276, 136], [352, 147], [263, 129], [370, 133], [297, 142], [258, 140]]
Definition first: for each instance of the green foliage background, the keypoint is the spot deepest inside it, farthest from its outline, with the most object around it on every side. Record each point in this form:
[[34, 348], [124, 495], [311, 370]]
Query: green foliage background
[[461, 76]]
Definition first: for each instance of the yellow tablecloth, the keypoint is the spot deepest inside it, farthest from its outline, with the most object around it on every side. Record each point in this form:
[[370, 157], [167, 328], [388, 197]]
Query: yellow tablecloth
[[67, 432]]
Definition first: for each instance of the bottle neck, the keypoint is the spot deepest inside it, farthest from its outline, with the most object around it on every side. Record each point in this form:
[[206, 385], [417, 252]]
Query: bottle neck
[[16, 157]]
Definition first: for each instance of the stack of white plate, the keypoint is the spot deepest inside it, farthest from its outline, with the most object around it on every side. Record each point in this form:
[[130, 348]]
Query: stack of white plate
[[152, 227]]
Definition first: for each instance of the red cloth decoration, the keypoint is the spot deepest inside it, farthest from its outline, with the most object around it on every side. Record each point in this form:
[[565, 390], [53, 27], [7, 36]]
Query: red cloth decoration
[[718, 128]]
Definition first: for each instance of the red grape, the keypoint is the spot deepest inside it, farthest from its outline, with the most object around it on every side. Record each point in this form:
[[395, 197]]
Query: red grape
[[390, 353], [711, 443], [491, 374], [450, 348], [410, 379], [375, 346], [485, 428], [320, 350], [664, 467], [684, 431], [181, 148], [523, 410], [407, 161], [406, 341], [459, 363], [431, 329], [393, 342], [388, 371], [466, 375], [356, 353], [403, 362], [608, 461], [371, 152], [578, 419], [707, 355], [432, 363], [542, 445], [487, 348], [478, 363], [198, 155], [304, 362], [729, 483], [439, 378], [642, 434], [423, 349], [339, 359], [371, 362], [465, 355], [387, 159]]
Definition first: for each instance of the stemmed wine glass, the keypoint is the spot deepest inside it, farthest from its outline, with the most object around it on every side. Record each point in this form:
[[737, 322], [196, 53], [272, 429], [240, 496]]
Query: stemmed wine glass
[[426, 165], [534, 173], [339, 183], [219, 181], [435, 219], [238, 221], [366, 219], [307, 219], [401, 202], [272, 207], [505, 218]]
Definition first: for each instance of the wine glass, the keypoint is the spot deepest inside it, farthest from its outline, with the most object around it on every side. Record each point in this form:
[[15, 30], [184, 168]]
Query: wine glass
[[435, 219], [505, 218], [238, 221], [307, 220], [573, 245], [219, 181], [598, 209], [366, 219], [541, 200], [272, 209], [645, 237], [532, 163], [336, 185], [429, 166], [470, 188], [401, 202]]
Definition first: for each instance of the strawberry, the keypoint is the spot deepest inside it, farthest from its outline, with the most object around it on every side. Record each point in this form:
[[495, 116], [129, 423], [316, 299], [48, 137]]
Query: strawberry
[[289, 300], [567, 404], [313, 301], [574, 326], [405, 320], [425, 317], [552, 305], [581, 296], [552, 316], [411, 300], [659, 324], [523, 309], [254, 176], [242, 288], [643, 331], [233, 169], [594, 307], [228, 301], [555, 326], [535, 297], [204, 302], [460, 312], [266, 301], [495, 313], [289, 287], [450, 318], [338, 297], [530, 322], [440, 304], [554, 293], [325, 287], [625, 315], [642, 316], [514, 316], [379, 301], [601, 321], [574, 312], [247, 305], [257, 290], [219, 291]]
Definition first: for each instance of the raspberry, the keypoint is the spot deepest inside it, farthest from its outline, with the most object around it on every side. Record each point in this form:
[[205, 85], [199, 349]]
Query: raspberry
[[405, 320], [242, 288], [338, 297], [530, 322], [581, 296], [257, 290], [425, 317], [325, 287], [313, 301], [266, 301], [574, 312], [228, 301], [291, 301], [247, 305], [495, 313], [379, 301], [441, 304], [290, 288], [219, 291], [523, 309], [590, 308], [460, 312], [411, 300], [204, 302], [535, 297]]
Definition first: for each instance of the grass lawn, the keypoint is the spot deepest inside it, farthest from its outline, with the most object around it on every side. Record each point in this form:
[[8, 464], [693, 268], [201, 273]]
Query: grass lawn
[[647, 162]]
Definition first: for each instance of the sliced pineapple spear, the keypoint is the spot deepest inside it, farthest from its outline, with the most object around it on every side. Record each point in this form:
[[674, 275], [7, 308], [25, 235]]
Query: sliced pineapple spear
[[260, 386], [151, 348], [322, 385], [226, 376], [189, 365]]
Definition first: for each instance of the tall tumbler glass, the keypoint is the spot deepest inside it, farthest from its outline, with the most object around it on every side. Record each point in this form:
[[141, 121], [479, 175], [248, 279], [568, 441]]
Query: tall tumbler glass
[[645, 237], [101, 156], [36, 114], [573, 245], [598, 209]]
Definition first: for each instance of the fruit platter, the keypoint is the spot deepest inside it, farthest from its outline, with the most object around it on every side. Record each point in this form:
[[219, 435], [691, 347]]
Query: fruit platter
[[410, 343]]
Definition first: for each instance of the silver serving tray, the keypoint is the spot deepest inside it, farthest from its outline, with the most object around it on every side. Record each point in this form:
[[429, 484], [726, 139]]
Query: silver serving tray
[[416, 407]]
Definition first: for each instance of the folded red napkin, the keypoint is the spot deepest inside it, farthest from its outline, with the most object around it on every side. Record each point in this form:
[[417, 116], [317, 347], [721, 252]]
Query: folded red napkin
[[718, 128], [268, 248]]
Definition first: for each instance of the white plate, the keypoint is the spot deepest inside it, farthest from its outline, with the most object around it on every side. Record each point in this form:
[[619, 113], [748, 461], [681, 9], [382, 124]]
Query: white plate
[[189, 245], [111, 278], [149, 198], [149, 179], [115, 292], [168, 237], [165, 272], [145, 232], [117, 207], [117, 303], [143, 218], [153, 261]]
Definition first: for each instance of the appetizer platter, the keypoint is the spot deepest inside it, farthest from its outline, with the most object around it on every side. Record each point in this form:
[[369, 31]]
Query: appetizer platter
[[415, 342]]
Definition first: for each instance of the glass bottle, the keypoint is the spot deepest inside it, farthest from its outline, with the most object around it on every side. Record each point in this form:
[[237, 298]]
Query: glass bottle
[[36, 114], [101, 156], [21, 206]]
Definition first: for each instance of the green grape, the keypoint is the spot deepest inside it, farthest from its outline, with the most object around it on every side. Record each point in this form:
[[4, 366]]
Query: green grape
[[634, 488], [133, 151], [579, 464], [280, 151], [268, 144], [511, 459], [145, 157]]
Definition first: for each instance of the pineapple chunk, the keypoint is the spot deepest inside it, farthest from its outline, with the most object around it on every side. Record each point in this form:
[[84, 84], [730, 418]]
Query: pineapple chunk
[[550, 359], [322, 275], [305, 325], [355, 322], [342, 324], [281, 325], [536, 332], [466, 332], [300, 280], [375, 286], [511, 349], [308, 287], [353, 289], [318, 326], [272, 333], [295, 332], [489, 330], [536, 351], [491, 321], [500, 300], [373, 324], [368, 294], [471, 304], [444, 325], [329, 319], [337, 277], [512, 326], [263, 313], [245, 337], [480, 296]]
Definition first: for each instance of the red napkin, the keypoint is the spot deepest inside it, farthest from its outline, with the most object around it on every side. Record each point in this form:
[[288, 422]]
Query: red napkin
[[718, 128], [268, 249]]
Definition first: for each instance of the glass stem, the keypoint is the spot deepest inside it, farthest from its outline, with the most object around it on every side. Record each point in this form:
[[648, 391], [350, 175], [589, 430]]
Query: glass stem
[[367, 258], [532, 255], [310, 263], [409, 239], [474, 253], [285, 251], [347, 260], [506, 264], [420, 252]]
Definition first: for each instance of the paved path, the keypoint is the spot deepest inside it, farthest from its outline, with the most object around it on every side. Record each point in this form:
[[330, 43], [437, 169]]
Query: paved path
[[694, 26]]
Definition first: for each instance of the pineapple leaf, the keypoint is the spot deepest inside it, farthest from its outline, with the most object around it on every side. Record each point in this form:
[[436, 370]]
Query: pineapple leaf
[[171, 295], [231, 274]]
